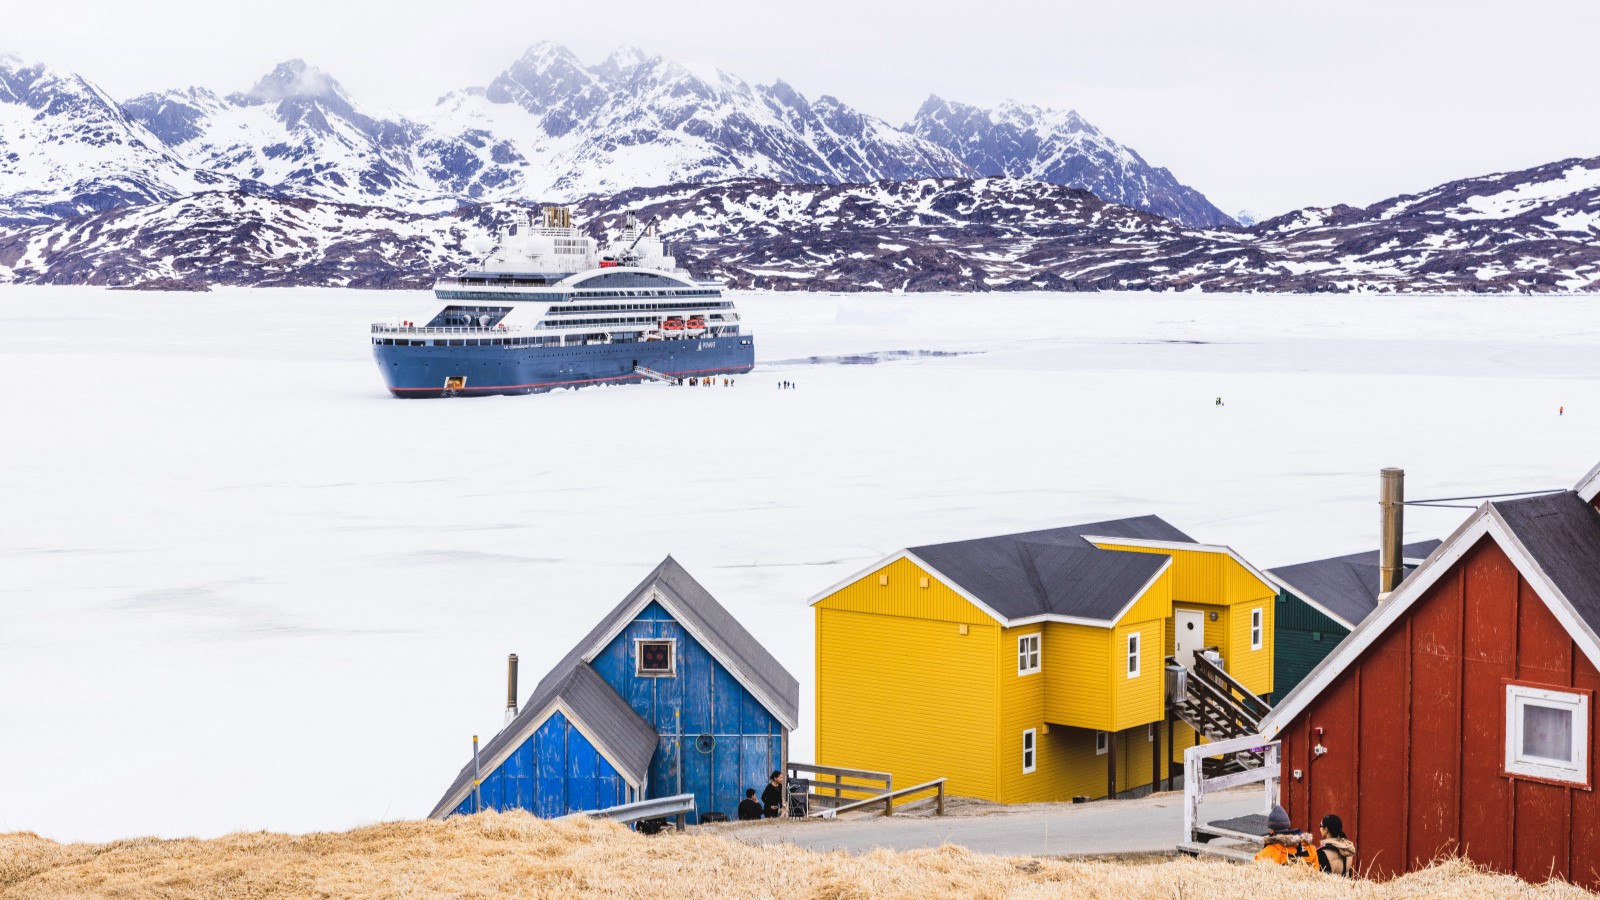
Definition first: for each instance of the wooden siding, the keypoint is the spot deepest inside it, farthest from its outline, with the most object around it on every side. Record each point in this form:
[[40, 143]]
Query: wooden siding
[[1253, 668], [1207, 576], [1137, 701], [554, 772], [1414, 730], [1077, 663], [910, 696], [1302, 637], [1154, 603], [1022, 707], [905, 596], [702, 698]]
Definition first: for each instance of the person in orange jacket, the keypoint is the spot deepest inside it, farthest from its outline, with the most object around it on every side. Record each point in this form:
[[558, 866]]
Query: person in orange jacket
[[1285, 844]]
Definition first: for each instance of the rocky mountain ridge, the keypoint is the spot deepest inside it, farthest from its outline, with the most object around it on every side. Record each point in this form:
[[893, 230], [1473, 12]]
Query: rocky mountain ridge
[[1536, 230]]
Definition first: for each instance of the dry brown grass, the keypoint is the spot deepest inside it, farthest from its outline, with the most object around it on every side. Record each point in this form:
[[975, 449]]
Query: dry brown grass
[[517, 855]]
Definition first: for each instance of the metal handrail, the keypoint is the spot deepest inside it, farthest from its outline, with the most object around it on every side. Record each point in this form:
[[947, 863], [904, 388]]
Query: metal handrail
[[888, 798], [386, 328], [678, 805]]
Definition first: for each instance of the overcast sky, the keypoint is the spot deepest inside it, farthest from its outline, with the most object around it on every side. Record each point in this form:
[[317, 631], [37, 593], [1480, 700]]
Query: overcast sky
[[1266, 106]]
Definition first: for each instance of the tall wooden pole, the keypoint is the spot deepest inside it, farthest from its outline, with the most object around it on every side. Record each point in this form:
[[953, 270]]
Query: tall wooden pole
[[1155, 756], [1111, 765], [477, 778], [1391, 505]]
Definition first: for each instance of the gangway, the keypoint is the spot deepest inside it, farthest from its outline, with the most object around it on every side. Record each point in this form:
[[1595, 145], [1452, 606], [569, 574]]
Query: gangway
[[653, 375]]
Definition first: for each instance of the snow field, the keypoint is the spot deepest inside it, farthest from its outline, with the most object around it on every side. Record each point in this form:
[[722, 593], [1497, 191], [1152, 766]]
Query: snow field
[[245, 589]]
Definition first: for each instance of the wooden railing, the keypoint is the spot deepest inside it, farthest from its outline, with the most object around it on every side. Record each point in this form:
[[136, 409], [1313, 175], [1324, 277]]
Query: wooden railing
[[889, 797], [1215, 703], [827, 787], [1196, 832]]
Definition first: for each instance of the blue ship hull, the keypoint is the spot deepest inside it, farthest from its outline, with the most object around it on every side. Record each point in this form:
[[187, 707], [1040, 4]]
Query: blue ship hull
[[432, 371]]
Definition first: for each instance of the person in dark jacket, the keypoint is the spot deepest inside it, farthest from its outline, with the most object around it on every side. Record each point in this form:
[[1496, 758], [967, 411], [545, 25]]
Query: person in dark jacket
[[772, 797], [749, 807]]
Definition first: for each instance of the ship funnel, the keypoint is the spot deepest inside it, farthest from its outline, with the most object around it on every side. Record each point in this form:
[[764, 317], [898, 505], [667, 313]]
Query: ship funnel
[[511, 688]]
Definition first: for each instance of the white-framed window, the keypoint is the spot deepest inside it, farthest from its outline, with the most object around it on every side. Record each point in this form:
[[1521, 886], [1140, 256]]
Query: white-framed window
[[1030, 739], [1102, 743], [1150, 732], [1547, 734], [1133, 655], [1027, 654], [655, 658], [1255, 628]]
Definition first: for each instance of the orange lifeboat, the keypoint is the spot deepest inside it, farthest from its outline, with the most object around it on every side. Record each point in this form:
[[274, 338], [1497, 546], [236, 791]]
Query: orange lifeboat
[[697, 322], [673, 323]]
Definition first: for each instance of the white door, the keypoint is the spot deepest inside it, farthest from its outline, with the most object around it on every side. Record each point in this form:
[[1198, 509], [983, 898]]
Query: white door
[[1190, 627]]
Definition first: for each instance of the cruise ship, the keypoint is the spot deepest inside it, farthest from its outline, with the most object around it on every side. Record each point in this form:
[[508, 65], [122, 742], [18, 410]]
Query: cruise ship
[[550, 308]]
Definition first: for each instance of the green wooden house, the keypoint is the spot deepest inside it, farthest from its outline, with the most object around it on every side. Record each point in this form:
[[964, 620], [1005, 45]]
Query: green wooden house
[[1321, 601]]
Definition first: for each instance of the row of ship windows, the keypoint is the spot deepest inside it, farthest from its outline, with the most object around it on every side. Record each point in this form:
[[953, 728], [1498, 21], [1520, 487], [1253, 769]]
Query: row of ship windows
[[658, 307], [672, 292], [649, 321], [470, 342]]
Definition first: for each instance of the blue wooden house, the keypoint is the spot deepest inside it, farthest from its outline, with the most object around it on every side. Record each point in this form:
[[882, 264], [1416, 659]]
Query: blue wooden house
[[1322, 601], [669, 694]]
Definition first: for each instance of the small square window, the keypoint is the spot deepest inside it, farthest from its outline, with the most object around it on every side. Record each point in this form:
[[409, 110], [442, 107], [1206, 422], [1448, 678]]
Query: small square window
[[1255, 628], [1029, 743], [655, 658], [1547, 734], [1133, 655], [1102, 743], [1028, 654]]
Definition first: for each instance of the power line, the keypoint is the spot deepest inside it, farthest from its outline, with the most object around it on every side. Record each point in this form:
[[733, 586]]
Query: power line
[[1446, 502]]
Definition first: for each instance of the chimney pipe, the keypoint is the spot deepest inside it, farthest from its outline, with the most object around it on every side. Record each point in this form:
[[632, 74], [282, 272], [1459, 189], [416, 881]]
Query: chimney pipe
[[1391, 500], [511, 688]]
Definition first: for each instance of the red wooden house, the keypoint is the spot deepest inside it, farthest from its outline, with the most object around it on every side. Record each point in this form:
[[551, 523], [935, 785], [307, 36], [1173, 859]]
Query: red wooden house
[[1460, 715]]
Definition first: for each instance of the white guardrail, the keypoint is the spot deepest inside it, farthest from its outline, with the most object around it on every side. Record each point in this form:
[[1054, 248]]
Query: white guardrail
[[492, 330], [1196, 785], [659, 808]]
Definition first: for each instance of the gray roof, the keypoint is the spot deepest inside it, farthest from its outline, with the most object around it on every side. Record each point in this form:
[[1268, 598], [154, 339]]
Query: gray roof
[[604, 718], [1558, 533], [1345, 587], [1054, 571], [1562, 534], [721, 634]]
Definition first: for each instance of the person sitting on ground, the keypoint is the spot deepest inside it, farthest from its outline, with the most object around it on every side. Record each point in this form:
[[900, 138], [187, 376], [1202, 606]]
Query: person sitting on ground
[[749, 807], [1337, 853], [1284, 843], [772, 797]]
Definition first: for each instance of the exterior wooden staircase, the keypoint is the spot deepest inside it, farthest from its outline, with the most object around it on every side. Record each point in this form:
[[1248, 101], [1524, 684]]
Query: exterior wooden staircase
[[1215, 704]]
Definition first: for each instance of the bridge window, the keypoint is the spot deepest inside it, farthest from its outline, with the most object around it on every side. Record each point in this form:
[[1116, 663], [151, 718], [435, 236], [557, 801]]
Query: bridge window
[[1028, 654]]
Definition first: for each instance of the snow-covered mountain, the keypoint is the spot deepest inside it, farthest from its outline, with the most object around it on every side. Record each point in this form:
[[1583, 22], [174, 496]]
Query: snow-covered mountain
[[566, 130], [297, 133], [547, 127], [1535, 230], [1018, 140], [66, 149]]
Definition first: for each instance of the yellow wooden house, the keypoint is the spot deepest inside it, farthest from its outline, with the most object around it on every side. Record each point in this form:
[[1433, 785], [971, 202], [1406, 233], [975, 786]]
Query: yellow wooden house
[[1032, 667]]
